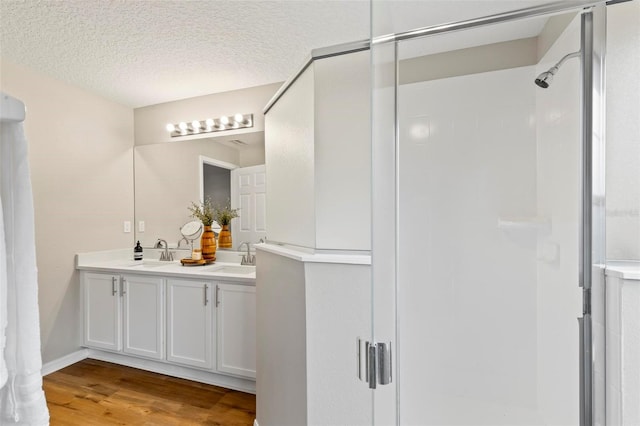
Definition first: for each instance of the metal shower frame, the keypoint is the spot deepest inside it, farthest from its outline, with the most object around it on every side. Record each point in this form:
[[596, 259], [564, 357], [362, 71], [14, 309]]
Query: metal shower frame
[[384, 166]]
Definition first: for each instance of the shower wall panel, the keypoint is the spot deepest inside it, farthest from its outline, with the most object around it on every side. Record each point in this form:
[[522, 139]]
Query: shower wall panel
[[623, 131], [467, 264]]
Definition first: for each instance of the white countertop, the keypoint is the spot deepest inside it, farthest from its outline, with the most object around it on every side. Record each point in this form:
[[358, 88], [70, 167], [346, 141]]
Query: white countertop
[[121, 261], [625, 269], [308, 255]]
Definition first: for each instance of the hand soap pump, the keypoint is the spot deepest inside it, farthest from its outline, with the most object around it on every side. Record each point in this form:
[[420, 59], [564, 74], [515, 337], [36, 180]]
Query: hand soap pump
[[137, 252]]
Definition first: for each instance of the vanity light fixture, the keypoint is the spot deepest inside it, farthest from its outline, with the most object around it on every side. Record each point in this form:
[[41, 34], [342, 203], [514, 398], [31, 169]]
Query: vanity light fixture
[[210, 125]]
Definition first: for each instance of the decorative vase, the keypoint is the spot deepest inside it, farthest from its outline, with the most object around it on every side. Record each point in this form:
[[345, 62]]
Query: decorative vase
[[224, 237], [208, 244]]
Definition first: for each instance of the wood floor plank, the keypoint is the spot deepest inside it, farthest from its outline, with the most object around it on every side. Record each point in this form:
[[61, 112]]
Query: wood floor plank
[[94, 392]]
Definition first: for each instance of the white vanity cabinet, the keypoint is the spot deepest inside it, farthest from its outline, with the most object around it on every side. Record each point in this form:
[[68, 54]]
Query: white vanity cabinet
[[189, 323], [193, 329], [183, 322], [102, 311], [143, 316], [236, 329], [124, 313]]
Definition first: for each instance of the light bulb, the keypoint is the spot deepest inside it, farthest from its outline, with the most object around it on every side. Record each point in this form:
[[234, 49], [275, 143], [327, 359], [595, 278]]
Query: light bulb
[[224, 119], [171, 128], [239, 118], [182, 126], [209, 122], [195, 124]]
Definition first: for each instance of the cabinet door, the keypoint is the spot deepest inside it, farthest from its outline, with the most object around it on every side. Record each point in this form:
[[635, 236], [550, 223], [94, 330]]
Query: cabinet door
[[236, 329], [143, 298], [102, 306], [189, 323]]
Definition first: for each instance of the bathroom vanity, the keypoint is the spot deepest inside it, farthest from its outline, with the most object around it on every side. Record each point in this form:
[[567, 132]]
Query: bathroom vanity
[[194, 322]]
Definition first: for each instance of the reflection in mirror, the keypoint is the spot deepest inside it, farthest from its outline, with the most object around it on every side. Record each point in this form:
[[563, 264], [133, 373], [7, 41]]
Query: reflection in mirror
[[190, 231], [217, 184], [168, 177]]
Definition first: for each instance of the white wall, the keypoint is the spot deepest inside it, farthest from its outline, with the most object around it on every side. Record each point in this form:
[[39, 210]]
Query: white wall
[[253, 156], [343, 152], [318, 196], [281, 363], [289, 145], [318, 157], [81, 155], [623, 131]]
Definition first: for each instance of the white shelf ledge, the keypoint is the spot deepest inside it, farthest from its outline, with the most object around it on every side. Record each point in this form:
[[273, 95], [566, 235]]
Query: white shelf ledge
[[625, 269]]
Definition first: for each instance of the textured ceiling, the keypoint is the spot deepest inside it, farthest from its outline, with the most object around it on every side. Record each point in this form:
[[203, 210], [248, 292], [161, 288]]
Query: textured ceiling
[[146, 52]]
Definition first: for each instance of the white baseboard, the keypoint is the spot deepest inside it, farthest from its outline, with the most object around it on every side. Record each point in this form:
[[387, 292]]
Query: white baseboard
[[229, 382], [65, 361]]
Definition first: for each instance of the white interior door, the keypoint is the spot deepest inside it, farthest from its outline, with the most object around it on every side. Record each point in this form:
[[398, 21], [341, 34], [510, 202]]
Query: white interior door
[[248, 193]]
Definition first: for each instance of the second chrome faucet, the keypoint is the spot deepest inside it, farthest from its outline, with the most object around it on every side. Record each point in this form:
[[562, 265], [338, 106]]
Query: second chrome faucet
[[247, 259]]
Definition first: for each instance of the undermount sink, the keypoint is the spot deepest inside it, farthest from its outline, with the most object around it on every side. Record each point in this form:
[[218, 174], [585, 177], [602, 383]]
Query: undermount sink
[[149, 264], [234, 269]]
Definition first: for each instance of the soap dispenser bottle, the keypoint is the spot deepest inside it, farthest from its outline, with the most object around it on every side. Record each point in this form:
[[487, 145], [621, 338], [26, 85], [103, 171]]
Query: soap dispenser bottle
[[137, 252]]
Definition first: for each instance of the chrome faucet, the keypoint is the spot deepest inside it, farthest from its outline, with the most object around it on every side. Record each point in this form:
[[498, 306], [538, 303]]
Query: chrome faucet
[[247, 259], [165, 255]]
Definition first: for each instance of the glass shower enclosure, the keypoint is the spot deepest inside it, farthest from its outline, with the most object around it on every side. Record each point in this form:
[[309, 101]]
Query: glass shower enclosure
[[488, 197]]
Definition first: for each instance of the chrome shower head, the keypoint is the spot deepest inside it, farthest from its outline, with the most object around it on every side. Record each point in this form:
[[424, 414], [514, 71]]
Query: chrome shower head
[[544, 79]]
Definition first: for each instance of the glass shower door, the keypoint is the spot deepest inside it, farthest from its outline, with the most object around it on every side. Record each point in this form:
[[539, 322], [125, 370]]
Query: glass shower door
[[486, 251]]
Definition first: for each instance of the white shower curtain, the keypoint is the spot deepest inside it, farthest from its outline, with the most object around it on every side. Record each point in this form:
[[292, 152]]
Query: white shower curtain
[[22, 400]]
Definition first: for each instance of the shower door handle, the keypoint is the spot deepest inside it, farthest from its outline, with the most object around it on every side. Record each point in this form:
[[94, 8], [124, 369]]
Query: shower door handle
[[374, 363]]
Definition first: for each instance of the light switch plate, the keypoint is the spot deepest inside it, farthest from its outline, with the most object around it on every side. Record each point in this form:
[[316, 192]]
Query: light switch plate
[[127, 226], [141, 226]]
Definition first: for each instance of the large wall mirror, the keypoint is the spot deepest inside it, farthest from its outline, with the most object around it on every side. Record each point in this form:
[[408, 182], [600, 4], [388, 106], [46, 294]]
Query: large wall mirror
[[169, 176]]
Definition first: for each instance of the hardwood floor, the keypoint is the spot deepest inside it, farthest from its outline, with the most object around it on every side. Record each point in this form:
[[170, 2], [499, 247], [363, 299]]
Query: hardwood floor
[[94, 392]]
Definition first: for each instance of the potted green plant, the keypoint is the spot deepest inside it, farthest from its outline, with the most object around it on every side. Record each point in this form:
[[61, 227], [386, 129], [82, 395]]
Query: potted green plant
[[205, 213], [223, 216]]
